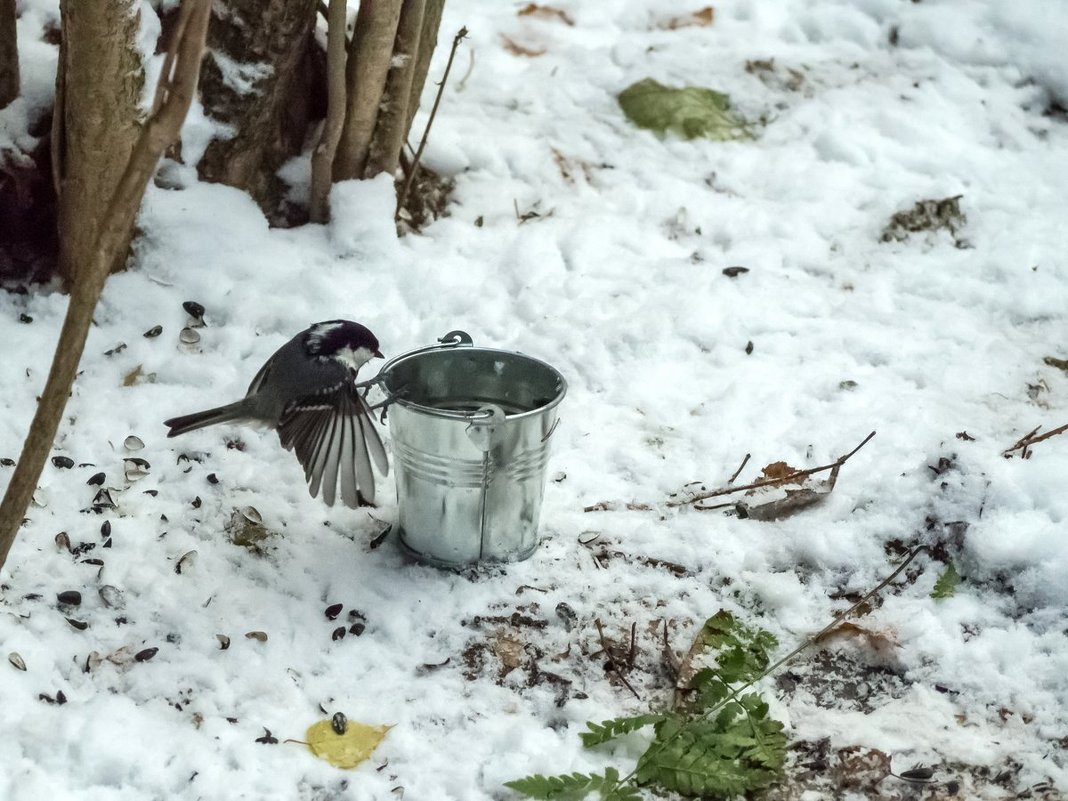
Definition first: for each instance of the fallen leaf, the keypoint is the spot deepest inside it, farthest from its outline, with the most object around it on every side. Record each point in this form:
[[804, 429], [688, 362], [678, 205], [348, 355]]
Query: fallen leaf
[[695, 19], [509, 651], [344, 750], [546, 12], [516, 49], [780, 471], [860, 768], [878, 641], [690, 111], [131, 377]]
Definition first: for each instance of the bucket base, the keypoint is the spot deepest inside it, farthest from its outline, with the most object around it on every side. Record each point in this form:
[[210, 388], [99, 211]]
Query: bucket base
[[452, 564]]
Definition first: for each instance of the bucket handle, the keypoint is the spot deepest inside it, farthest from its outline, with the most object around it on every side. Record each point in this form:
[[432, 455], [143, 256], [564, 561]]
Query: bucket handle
[[454, 339]]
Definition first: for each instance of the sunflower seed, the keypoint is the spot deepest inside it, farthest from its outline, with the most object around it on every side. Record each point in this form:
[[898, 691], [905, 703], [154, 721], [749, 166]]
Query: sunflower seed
[[105, 529], [117, 349], [188, 336], [194, 310], [81, 625], [333, 611], [133, 443], [96, 480], [356, 629], [63, 541], [17, 661], [63, 462], [7, 461], [224, 641], [339, 723], [257, 635], [145, 655], [153, 332], [70, 598], [40, 498]]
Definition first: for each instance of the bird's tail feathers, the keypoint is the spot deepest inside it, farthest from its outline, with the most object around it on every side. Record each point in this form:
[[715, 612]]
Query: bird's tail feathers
[[208, 417]]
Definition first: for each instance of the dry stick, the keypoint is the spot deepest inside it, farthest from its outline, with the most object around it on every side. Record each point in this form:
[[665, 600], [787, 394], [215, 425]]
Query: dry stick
[[460, 36], [1030, 439], [612, 660], [805, 644], [323, 157], [161, 129], [701, 496], [738, 472]]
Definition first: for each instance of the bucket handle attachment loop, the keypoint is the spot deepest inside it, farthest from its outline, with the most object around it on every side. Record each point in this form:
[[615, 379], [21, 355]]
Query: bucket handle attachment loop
[[485, 421], [454, 339]]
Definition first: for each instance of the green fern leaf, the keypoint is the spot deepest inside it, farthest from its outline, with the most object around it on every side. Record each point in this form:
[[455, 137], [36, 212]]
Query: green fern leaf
[[743, 651], [567, 787], [617, 727], [946, 585]]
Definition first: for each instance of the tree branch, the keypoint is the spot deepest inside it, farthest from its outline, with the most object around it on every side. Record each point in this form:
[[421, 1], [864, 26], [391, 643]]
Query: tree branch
[[160, 131]]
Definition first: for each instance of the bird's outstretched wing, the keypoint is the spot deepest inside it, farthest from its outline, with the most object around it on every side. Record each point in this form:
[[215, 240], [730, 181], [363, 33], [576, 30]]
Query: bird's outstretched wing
[[332, 435]]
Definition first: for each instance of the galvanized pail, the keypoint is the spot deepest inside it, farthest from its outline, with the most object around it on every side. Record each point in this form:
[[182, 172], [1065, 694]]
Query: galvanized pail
[[470, 428]]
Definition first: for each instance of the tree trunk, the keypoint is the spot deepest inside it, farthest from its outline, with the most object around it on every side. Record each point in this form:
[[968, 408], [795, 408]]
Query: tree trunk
[[368, 66], [9, 53], [428, 40], [99, 82], [392, 125], [256, 81]]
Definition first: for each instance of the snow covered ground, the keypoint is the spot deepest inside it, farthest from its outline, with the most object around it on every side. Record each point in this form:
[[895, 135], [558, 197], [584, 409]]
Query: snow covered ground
[[577, 238]]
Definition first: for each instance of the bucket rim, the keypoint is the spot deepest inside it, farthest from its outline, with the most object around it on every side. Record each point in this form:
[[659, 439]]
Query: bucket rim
[[382, 378]]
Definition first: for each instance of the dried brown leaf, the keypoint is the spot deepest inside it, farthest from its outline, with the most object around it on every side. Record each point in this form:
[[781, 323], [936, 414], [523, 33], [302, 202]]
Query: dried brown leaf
[[132, 377], [509, 650], [780, 471], [860, 768], [516, 49], [881, 642], [546, 12], [695, 19]]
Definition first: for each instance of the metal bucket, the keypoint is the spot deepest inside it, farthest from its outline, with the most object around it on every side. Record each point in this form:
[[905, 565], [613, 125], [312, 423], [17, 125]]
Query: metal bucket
[[470, 429]]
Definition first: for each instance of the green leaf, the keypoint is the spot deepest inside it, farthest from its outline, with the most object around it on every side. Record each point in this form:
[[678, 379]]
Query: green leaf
[[569, 787], [617, 727], [946, 585], [743, 652], [691, 111]]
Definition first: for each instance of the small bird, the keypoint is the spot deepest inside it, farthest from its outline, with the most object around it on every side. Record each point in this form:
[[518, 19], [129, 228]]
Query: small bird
[[307, 391]]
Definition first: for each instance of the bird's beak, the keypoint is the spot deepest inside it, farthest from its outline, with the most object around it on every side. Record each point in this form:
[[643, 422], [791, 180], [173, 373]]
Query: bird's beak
[[378, 354]]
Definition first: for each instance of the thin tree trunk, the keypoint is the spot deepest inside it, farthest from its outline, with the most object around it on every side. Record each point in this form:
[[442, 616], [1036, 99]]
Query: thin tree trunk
[[392, 125], [113, 235], [9, 53], [100, 79], [369, 60], [428, 40], [326, 150]]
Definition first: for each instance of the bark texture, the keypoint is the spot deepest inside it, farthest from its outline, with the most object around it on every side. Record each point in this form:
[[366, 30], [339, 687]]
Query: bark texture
[[114, 229], [326, 149], [257, 80], [99, 81], [428, 40], [9, 53], [368, 65]]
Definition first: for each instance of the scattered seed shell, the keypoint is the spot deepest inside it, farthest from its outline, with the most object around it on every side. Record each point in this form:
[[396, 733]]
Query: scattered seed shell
[[111, 596], [105, 529], [40, 499], [7, 461], [356, 629], [333, 611], [186, 561], [70, 598], [145, 655], [189, 336], [81, 625], [224, 641], [153, 332], [25, 318], [586, 537], [107, 543], [117, 349], [133, 443], [567, 615], [257, 635], [96, 480], [212, 478], [63, 541], [63, 462], [17, 661], [337, 633]]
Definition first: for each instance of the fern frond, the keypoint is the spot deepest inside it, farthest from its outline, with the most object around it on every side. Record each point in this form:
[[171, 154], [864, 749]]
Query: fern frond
[[946, 585], [570, 786], [610, 729]]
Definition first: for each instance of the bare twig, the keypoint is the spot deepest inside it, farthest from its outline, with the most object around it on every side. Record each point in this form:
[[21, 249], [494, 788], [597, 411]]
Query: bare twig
[[160, 130], [336, 91], [470, 68], [738, 472], [767, 482], [610, 659], [459, 37], [1025, 442]]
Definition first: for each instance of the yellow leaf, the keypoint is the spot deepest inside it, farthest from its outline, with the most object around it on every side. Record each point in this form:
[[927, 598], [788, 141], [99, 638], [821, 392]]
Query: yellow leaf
[[344, 750], [131, 377], [697, 19]]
